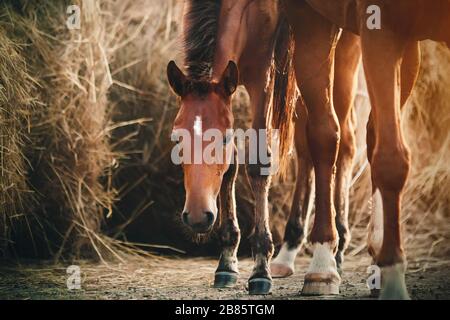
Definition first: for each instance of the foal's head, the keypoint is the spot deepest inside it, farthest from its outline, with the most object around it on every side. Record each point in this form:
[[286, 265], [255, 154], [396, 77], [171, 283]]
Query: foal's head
[[204, 105]]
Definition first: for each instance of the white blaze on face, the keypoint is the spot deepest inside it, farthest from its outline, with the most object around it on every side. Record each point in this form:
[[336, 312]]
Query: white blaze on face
[[198, 126]]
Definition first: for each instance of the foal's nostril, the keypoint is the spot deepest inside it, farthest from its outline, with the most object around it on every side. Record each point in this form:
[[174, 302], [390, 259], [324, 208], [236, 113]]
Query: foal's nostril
[[200, 224], [209, 217], [184, 217]]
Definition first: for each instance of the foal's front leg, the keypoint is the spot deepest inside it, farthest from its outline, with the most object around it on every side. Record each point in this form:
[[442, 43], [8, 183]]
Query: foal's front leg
[[260, 281], [229, 234]]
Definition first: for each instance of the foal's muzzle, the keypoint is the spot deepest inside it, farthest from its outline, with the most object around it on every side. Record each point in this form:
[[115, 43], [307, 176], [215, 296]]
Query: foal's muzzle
[[202, 224]]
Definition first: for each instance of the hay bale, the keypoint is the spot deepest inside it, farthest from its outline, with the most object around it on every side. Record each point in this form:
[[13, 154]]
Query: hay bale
[[69, 150], [16, 105], [73, 131], [426, 121]]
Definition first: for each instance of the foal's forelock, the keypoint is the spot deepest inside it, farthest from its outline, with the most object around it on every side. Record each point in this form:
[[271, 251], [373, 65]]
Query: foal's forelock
[[199, 88], [201, 26]]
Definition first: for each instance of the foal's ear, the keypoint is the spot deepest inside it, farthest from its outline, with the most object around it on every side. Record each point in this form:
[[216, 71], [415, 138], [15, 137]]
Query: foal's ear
[[176, 77], [230, 78]]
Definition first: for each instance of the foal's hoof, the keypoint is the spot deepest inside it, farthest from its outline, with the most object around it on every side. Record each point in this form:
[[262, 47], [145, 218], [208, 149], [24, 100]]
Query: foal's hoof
[[259, 286], [225, 279], [321, 284], [278, 270]]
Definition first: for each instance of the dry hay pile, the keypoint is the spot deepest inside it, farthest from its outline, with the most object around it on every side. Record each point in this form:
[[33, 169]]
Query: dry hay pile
[[426, 123], [86, 118], [65, 75], [16, 105]]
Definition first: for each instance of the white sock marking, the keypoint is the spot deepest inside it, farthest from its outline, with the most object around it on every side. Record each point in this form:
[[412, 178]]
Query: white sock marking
[[286, 256], [393, 282], [323, 260], [376, 222]]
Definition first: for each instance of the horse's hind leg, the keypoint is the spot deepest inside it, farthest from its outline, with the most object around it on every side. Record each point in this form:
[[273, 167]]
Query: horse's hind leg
[[229, 234], [348, 55], [390, 159], [315, 41], [283, 265], [409, 71]]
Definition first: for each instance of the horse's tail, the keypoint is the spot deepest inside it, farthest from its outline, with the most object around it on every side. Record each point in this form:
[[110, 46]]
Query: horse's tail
[[285, 90]]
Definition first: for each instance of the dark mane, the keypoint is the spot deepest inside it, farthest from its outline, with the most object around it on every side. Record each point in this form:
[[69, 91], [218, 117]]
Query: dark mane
[[201, 25]]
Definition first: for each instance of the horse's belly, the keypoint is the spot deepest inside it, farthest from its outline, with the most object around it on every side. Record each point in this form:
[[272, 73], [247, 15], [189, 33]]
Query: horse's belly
[[342, 13], [418, 19]]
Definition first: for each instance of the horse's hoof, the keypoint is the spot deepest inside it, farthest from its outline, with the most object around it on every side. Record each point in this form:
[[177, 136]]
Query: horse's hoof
[[283, 265], [393, 285], [321, 285], [278, 270], [225, 279], [259, 286], [322, 277], [394, 295]]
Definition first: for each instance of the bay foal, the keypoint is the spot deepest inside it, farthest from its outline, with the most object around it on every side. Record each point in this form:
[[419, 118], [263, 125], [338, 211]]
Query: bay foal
[[390, 57], [227, 43]]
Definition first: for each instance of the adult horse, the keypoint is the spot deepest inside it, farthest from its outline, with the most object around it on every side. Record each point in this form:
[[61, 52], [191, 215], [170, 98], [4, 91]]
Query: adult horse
[[347, 58], [390, 55], [220, 38]]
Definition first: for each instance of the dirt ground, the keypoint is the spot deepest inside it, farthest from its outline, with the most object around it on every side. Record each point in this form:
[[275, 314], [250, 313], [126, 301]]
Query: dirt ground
[[191, 278]]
